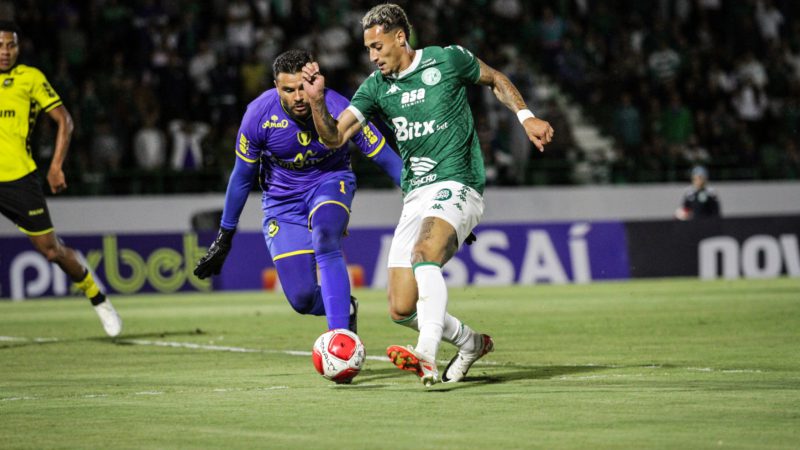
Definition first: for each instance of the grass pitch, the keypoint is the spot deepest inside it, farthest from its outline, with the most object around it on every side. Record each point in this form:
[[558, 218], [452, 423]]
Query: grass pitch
[[657, 364]]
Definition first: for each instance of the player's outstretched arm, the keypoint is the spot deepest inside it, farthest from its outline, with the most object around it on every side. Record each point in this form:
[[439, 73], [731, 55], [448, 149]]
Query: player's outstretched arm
[[539, 131], [236, 194], [55, 175], [332, 132], [211, 263]]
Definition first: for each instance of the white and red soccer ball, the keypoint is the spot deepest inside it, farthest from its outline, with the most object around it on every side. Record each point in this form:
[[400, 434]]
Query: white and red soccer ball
[[338, 355]]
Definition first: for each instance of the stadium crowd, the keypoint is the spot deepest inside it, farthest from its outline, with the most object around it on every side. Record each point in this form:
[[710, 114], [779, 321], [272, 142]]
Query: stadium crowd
[[157, 87]]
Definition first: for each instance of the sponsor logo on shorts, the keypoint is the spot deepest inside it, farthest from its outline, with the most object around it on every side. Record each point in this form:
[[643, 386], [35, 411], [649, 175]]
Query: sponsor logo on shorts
[[437, 206], [36, 212], [273, 228], [443, 194]]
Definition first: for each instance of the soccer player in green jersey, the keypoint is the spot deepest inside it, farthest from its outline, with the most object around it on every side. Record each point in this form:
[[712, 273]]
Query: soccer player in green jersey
[[421, 95]]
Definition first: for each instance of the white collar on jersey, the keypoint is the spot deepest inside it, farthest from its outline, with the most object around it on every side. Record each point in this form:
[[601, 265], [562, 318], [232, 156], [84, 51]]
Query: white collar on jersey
[[409, 69]]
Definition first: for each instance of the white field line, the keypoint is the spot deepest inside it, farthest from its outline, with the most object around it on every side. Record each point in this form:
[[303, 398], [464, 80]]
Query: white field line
[[189, 345], [226, 348]]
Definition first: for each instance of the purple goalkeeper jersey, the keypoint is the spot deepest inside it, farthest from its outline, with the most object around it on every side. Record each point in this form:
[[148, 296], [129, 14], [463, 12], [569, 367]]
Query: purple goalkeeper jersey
[[291, 155]]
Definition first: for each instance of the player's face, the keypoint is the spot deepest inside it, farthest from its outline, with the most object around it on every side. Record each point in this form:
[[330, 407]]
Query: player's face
[[385, 49], [293, 97], [9, 50]]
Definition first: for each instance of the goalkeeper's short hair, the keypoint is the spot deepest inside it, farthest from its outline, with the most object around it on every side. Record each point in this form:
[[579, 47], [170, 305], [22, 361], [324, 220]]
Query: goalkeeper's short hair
[[291, 61]]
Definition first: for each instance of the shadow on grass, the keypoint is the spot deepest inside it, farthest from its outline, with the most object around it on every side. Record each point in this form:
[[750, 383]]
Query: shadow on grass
[[500, 374], [120, 340]]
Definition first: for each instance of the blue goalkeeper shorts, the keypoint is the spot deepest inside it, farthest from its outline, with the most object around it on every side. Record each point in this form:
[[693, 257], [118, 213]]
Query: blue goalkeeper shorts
[[287, 220]]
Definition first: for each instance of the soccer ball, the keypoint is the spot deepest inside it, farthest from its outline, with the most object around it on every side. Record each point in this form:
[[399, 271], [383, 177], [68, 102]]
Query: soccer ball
[[338, 355]]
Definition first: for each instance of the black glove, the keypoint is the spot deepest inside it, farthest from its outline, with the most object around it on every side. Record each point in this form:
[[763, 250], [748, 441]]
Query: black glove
[[470, 239], [212, 263]]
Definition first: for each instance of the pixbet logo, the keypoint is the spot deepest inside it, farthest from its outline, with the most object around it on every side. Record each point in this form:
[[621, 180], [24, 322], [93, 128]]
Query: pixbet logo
[[124, 270], [406, 131]]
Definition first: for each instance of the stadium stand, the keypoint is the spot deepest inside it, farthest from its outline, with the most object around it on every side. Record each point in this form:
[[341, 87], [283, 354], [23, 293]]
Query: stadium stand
[[671, 83]]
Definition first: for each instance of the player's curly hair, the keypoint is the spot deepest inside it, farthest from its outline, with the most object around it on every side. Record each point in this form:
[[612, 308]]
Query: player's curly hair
[[7, 25], [388, 15], [291, 61]]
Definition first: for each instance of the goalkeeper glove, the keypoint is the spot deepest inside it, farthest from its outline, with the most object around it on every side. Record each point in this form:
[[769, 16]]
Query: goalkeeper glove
[[212, 262]]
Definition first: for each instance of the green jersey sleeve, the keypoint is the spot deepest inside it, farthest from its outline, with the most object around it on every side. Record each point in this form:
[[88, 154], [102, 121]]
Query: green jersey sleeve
[[464, 62], [364, 103]]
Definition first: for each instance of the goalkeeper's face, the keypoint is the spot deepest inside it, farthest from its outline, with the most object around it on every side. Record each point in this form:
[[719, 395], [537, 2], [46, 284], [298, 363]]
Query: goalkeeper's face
[[9, 49], [387, 49], [293, 97]]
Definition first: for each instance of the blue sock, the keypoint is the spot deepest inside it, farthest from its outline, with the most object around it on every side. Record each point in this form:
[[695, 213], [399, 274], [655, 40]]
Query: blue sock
[[298, 276], [328, 224]]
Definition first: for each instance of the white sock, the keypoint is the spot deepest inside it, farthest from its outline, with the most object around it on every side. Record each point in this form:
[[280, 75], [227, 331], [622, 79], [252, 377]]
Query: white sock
[[431, 308], [454, 332]]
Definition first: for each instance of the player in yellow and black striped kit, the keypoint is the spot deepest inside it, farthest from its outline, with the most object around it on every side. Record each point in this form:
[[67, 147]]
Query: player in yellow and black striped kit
[[24, 93]]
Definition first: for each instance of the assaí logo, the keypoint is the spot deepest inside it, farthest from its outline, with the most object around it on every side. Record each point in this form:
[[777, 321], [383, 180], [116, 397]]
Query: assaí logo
[[124, 270]]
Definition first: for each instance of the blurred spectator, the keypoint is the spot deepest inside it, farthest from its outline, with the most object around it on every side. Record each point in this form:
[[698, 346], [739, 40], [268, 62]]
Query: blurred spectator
[[699, 201], [628, 124], [677, 124], [149, 145], [200, 66], [187, 144], [751, 69], [664, 63], [254, 77], [240, 31], [769, 20], [107, 151]]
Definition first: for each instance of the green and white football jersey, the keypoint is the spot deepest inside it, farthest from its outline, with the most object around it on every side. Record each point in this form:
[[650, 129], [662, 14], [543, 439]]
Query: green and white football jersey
[[426, 107]]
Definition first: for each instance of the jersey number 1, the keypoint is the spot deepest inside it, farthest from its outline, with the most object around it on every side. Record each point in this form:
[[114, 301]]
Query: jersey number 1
[[341, 187]]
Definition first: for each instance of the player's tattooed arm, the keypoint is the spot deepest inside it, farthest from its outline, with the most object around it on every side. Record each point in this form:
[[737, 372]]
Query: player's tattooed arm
[[539, 131], [502, 87], [332, 132]]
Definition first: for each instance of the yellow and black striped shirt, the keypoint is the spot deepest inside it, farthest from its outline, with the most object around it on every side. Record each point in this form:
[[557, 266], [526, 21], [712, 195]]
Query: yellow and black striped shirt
[[24, 92]]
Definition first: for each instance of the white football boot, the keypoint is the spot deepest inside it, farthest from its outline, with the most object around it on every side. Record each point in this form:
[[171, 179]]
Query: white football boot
[[458, 367], [111, 321]]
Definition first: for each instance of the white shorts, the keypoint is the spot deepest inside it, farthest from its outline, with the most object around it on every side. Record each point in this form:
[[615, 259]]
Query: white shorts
[[457, 204]]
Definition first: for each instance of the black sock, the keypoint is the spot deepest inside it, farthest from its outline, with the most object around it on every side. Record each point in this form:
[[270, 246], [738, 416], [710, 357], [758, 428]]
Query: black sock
[[97, 299]]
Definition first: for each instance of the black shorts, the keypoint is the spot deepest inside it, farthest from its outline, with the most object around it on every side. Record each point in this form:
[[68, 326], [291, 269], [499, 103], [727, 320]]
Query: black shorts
[[23, 202]]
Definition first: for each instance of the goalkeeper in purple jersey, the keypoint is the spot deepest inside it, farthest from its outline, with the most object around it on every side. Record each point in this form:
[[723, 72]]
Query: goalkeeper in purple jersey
[[308, 190]]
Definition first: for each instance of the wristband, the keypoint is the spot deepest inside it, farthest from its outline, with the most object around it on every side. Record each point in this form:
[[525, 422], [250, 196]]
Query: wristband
[[524, 114]]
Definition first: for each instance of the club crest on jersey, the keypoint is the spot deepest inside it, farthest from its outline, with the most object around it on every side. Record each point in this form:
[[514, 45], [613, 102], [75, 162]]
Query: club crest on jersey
[[273, 228], [273, 123], [304, 138], [431, 76], [443, 195], [8, 82]]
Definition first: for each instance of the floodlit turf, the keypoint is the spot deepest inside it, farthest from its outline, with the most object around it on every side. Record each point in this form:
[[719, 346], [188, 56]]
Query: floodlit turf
[[661, 364]]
